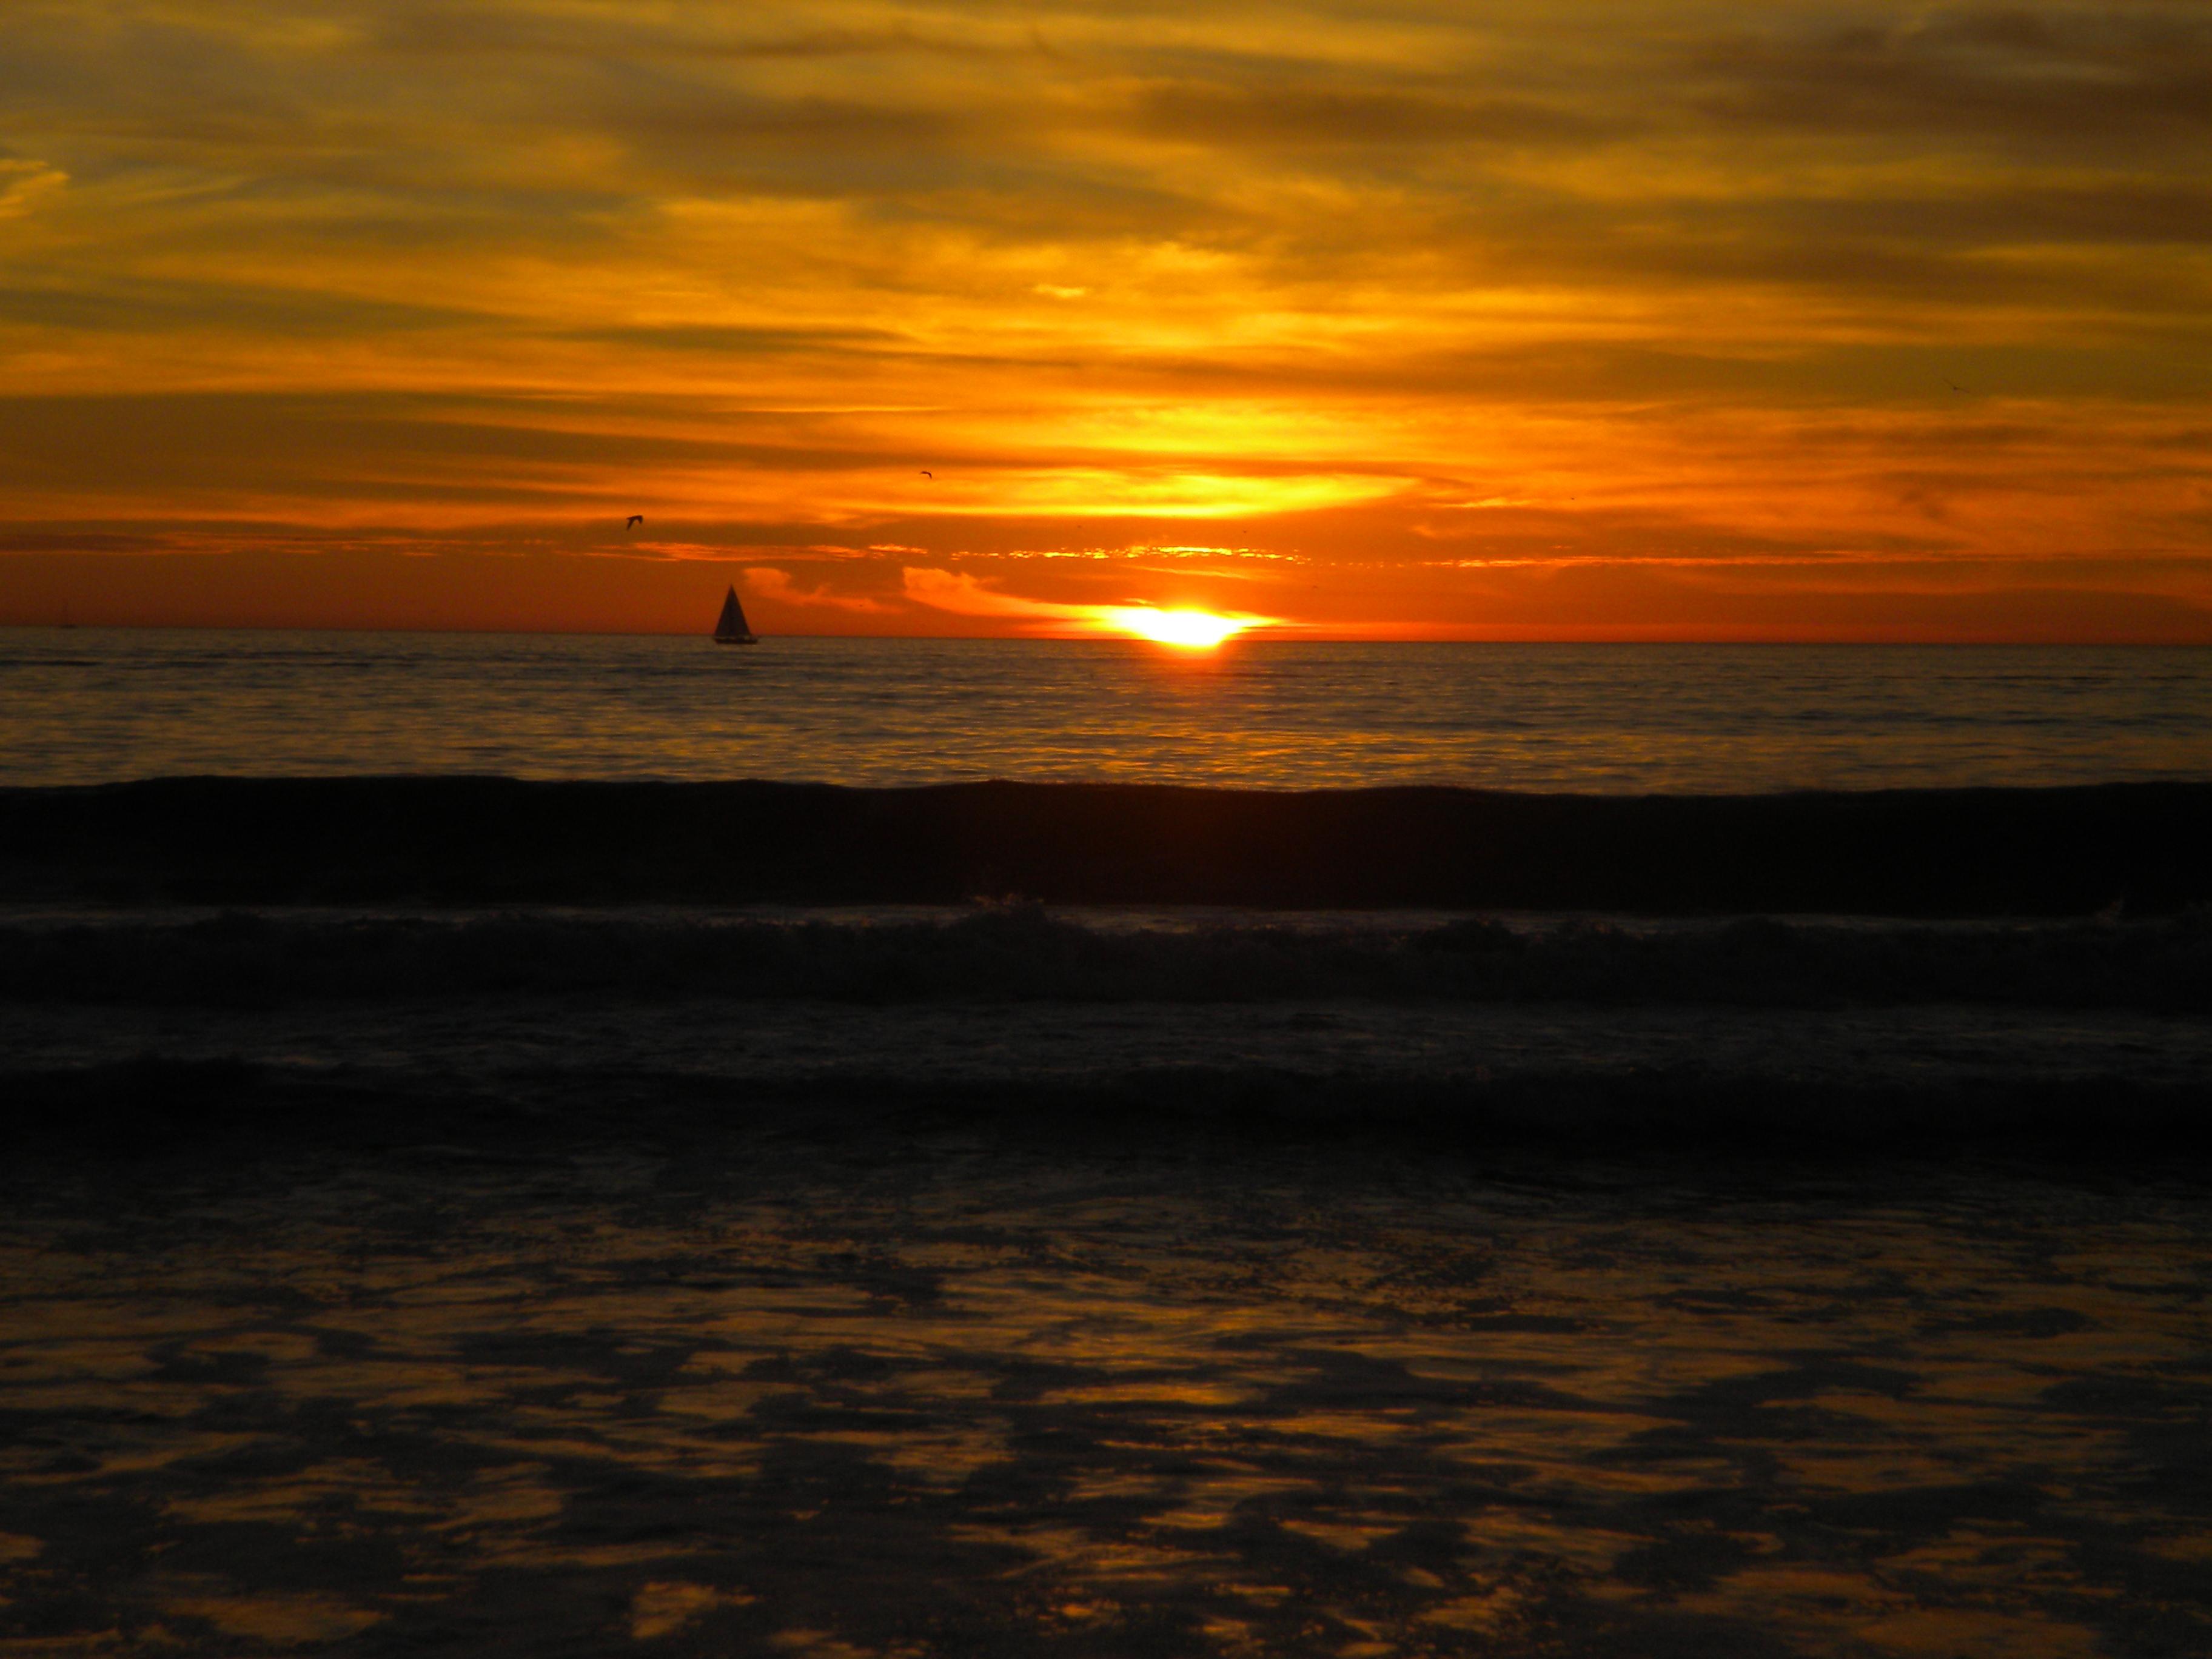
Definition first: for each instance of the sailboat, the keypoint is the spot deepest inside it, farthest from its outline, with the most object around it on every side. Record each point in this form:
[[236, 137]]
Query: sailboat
[[732, 628]]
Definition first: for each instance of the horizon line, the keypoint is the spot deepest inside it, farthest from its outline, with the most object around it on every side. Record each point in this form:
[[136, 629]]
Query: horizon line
[[1253, 636]]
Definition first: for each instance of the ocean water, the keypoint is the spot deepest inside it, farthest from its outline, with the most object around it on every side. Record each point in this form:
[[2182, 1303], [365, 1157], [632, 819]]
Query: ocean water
[[90, 706], [858, 1394], [1145, 1279]]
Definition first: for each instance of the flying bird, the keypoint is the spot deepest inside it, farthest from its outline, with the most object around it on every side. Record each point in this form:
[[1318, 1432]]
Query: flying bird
[[926, 473], [1953, 385], [633, 521]]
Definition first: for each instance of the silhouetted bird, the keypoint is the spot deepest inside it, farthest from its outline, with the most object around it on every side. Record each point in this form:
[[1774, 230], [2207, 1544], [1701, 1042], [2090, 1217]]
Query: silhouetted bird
[[1953, 387], [926, 473], [633, 521]]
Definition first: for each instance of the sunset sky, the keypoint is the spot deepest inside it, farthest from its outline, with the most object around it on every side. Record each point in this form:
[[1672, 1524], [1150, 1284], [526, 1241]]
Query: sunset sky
[[1587, 319]]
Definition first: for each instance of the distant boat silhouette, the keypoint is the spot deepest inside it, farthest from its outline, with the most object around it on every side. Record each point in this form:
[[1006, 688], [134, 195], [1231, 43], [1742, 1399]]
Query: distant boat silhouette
[[732, 629]]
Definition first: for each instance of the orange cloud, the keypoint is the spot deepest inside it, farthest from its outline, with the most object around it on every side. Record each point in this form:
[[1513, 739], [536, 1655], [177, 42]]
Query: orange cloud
[[965, 596], [1672, 321], [770, 583]]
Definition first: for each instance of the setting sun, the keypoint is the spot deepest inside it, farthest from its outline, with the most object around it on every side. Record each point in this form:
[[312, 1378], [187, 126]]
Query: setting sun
[[1199, 628]]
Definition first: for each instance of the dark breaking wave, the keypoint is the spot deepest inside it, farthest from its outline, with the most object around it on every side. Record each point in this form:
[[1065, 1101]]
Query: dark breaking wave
[[1955, 853], [1023, 952]]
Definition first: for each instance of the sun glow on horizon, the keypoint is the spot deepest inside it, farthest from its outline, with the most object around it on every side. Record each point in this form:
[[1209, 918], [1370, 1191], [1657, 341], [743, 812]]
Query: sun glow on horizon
[[1193, 630]]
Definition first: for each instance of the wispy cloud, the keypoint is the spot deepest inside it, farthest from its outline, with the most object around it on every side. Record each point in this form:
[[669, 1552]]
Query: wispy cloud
[[770, 583], [965, 595], [1314, 279]]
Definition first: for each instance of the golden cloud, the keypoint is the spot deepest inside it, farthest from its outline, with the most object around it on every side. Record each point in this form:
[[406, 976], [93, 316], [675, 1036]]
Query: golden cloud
[[1705, 290]]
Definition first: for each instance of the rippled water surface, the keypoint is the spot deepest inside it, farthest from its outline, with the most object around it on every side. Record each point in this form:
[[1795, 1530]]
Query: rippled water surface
[[857, 1395], [94, 705]]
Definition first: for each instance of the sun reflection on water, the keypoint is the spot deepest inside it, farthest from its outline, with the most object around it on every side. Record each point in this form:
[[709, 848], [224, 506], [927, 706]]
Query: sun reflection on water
[[1030, 1407]]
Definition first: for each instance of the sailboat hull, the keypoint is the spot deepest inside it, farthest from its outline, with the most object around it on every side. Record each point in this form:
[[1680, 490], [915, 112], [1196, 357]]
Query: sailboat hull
[[737, 639]]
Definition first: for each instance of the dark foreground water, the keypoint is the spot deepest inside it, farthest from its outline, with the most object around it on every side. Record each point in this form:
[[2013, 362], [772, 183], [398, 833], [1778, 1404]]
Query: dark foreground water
[[92, 706], [931, 1285], [834, 1388]]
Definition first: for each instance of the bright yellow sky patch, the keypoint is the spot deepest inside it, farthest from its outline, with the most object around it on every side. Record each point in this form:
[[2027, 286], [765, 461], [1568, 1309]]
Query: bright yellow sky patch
[[1197, 630]]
